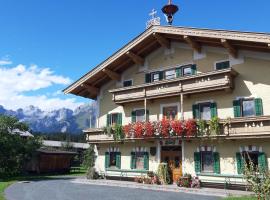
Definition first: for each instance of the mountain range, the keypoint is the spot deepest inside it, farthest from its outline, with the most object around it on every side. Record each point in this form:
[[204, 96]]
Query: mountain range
[[61, 120]]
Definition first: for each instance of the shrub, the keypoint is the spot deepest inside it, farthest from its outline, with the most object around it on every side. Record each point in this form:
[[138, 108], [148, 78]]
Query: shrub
[[91, 173], [163, 173]]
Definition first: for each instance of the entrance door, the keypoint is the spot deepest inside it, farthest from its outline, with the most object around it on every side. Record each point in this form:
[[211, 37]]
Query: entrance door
[[172, 155]]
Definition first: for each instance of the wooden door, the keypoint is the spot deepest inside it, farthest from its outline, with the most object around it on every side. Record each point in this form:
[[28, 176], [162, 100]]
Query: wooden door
[[173, 157]]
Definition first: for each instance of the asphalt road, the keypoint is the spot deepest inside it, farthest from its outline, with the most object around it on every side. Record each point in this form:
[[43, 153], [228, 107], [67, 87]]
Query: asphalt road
[[66, 190]]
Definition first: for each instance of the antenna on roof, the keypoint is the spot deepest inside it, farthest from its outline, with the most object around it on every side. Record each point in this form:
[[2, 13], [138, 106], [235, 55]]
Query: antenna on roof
[[169, 10], [154, 19]]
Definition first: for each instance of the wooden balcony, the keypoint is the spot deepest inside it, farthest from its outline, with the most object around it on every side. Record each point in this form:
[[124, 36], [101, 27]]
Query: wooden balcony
[[234, 128], [246, 127], [202, 82]]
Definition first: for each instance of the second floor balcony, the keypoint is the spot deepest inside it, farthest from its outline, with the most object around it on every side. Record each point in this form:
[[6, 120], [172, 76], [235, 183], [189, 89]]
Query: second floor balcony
[[231, 128], [199, 83]]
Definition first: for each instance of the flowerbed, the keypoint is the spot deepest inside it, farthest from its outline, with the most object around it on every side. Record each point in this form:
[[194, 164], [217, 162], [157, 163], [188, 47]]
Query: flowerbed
[[163, 128]]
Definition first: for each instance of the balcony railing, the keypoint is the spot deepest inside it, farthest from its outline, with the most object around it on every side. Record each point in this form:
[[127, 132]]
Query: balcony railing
[[242, 127], [202, 82]]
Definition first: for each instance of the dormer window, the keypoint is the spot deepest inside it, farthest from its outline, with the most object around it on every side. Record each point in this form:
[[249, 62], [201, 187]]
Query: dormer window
[[127, 83], [155, 76], [222, 65], [170, 74]]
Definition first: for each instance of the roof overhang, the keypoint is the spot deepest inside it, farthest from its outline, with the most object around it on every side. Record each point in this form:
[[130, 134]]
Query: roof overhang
[[153, 38]]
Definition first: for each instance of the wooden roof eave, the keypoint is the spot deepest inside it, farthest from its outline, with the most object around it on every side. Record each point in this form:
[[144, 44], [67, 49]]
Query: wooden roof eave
[[182, 33]]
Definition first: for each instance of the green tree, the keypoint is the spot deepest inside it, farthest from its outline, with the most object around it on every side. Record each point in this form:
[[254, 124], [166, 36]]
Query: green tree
[[89, 157], [15, 151]]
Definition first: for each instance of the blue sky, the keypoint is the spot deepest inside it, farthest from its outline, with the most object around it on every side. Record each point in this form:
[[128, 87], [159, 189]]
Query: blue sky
[[69, 37]]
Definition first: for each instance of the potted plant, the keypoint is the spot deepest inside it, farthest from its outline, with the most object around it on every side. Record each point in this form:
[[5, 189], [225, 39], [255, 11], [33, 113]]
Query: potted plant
[[214, 126]]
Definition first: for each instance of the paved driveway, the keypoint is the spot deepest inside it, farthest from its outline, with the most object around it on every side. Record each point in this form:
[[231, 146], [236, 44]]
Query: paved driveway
[[67, 190]]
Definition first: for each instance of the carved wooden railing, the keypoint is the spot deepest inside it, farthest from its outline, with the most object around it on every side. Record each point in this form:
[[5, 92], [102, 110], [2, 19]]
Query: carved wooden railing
[[202, 82], [242, 127]]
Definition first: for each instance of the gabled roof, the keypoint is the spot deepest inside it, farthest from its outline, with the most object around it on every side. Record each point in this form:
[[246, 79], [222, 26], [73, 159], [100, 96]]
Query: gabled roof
[[153, 38]]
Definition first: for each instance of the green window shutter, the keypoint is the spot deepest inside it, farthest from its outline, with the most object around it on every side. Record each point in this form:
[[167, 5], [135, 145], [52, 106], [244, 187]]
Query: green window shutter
[[258, 107], [240, 163], [146, 161], [193, 69], [213, 107], [133, 116], [108, 119], [237, 108], [195, 111], [197, 162], [133, 160], [118, 160], [178, 72], [216, 162], [161, 73], [107, 160], [119, 118], [262, 161], [147, 115], [147, 78]]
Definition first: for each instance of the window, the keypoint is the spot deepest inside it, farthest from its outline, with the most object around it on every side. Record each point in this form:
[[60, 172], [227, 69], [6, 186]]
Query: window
[[248, 107], [114, 118], [127, 83], [207, 161], [139, 115], [139, 156], [222, 65], [170, 74], [170, 112], [187, 71], [205, 111], [112, 159], [251, 157], [139, 160], [155, 76]]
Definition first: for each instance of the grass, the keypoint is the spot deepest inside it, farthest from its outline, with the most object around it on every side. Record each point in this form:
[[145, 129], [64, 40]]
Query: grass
[[241, 198], [4, 183]]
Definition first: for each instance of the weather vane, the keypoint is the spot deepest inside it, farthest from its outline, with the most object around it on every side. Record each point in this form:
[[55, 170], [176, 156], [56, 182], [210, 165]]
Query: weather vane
[[169, 10], [154, 19]]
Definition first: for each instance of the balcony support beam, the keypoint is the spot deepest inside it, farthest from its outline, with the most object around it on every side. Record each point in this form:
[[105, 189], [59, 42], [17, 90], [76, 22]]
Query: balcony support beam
[[195, 45], [137, 59], [231, 49], [162, 40], [145, 106], [182, 106], [113, 75]]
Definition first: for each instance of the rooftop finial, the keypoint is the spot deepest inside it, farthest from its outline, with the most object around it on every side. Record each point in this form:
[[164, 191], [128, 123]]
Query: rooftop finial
[[169, 10], [154, 19]]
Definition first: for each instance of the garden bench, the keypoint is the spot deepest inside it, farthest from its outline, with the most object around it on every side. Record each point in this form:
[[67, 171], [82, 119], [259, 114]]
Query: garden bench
[[222, 180], [125, 173]]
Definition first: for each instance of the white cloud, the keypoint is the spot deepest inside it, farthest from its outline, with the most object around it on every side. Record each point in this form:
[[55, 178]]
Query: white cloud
[[15, 81], [5, 61]]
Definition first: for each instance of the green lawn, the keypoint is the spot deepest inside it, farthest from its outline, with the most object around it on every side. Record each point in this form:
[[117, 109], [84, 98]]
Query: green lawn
[[4, 183], [240, 198]]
